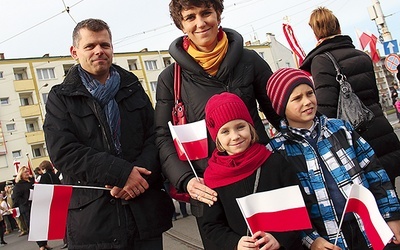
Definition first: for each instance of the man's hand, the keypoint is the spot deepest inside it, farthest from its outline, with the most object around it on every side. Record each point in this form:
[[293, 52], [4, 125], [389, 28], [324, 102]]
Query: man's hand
[[134, 186], [201, 192]]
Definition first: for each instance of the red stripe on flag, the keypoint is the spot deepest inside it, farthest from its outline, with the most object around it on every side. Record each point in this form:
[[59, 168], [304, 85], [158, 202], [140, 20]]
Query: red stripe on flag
[[59, 212], [359, 207], [280, 221], [194, 149]]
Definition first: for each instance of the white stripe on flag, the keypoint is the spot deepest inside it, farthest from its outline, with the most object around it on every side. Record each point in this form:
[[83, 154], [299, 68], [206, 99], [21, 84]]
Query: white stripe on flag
[[193, 131]]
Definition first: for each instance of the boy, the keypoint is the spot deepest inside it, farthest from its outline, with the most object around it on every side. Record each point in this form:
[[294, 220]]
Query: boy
[[328, 156]]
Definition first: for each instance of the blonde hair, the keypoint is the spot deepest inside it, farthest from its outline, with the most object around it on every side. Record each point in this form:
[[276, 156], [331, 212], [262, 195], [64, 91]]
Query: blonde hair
[[254, 138], [19, 174], [324, 23]]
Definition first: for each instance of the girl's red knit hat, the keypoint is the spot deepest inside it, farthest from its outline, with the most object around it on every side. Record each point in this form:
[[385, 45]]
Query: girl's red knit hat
[[223, 108], [281, 84]]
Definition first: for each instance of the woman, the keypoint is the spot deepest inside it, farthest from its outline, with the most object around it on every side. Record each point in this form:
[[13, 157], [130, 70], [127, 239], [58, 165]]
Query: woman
[[24, 183], [212, 61], [358, 68]]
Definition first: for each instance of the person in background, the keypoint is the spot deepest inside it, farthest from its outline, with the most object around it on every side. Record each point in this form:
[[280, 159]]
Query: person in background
[[328, 156], [240, 166], [20, 195], [19, 221], [6, 213], [99, 131], [38, 174], [212, 60], [2, 226], [359, 70], [397, 107]]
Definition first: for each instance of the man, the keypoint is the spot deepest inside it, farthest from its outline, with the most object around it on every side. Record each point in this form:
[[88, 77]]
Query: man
[[99, 132]]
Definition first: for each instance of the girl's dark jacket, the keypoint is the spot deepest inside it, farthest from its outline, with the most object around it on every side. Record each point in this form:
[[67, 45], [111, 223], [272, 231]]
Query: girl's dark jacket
[[223, 223], [359, 70], [242, 72], [78, 141]]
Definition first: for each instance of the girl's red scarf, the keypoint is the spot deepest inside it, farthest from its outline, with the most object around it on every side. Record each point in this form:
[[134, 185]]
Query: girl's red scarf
[[224, 169]]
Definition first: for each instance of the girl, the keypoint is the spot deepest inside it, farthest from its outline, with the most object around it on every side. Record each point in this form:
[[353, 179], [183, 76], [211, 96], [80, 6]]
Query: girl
[[240, 166]]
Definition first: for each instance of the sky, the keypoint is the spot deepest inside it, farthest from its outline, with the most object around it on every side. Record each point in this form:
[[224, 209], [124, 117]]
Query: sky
[[37, 27]]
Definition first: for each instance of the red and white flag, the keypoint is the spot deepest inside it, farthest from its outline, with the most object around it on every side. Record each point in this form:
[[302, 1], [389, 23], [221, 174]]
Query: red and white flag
[[192, 137], [15, 212], [278, 210], [362, 202], [293, 43], [369, 39], [49, 212]]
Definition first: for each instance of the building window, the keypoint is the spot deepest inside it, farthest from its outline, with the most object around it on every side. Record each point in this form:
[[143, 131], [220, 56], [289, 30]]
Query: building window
[[167, 61], [20, 73], [10, 127], [66, 68], [4, 101], [44, 74], [44, 96], [38, 150], [24, 101], [153, 86], [1, 75], [151, 65], [132, 64], [30, 127], [16, 154], [261, 54]]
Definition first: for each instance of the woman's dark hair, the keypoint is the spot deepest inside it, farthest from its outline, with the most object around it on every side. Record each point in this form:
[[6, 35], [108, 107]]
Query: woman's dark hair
[[46, 165], [176, 7]]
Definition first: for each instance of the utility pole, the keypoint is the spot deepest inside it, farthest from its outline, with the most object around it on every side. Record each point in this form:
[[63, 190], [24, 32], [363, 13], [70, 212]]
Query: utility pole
[[376, 14]]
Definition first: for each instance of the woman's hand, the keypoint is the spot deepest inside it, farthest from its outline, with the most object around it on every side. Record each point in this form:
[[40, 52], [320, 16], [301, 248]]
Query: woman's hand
[[322, 244], [198, 191]]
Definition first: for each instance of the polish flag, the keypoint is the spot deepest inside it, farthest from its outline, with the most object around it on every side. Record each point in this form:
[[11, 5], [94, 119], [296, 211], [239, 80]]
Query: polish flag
[[293, 43], [190, 138], [369, 39], [49, 212], [15, 212], [278, 210], [362, 202]]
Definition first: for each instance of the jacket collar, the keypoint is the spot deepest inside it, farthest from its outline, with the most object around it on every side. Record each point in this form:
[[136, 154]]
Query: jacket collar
[[336, 42]]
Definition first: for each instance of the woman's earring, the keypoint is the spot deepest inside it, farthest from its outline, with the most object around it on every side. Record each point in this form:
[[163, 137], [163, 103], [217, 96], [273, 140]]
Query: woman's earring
[[220, 34], [186, 43]]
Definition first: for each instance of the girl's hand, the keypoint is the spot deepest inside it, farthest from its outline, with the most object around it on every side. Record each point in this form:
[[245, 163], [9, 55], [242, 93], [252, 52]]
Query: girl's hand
[[265, 241], [246, 242], [201, 192]]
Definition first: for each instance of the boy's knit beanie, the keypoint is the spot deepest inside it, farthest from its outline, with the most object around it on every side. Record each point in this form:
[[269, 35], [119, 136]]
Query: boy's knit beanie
[[281, 84], [223, 108]]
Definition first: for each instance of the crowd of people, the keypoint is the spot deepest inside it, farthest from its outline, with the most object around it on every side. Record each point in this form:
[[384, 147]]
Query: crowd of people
[[103, 133]]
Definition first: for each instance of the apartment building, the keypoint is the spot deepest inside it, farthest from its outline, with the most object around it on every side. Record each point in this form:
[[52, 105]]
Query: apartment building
[[26, 82]]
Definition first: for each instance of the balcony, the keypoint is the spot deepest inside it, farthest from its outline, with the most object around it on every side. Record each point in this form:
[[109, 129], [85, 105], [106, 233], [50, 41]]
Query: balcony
[[34, 137], [24, 85], [37, 160], [29, 110], [139, 73]]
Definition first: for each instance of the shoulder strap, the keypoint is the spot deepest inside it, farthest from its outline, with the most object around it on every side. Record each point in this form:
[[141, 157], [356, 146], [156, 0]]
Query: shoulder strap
[[177, 82], [340, 77]]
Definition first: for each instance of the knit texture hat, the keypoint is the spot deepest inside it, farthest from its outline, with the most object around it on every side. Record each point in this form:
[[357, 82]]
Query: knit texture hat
[[281, 84], [223, 108]]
